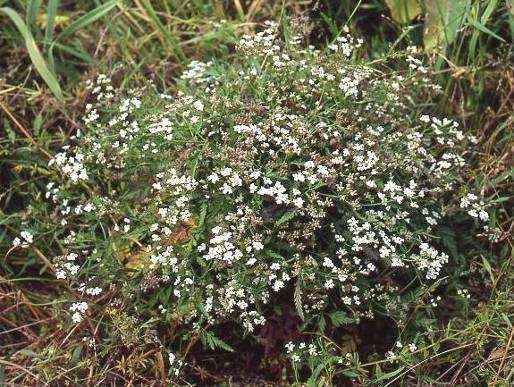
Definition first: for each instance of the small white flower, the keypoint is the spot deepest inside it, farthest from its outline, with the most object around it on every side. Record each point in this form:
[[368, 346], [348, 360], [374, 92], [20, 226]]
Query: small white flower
[[198, 105], [26, 239], [298, 202], [257, 246]]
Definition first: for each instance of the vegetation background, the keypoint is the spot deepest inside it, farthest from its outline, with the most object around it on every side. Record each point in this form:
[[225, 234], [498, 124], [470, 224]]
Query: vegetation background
[[49, 48]]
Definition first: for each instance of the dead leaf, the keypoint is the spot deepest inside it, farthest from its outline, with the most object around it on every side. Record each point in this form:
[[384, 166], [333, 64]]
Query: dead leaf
[[443, 19], [60, 20], [140, 259], [403, 11], [497, 354]]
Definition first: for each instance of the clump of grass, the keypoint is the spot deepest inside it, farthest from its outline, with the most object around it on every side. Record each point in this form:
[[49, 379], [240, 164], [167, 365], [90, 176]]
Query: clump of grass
[[288, 177]]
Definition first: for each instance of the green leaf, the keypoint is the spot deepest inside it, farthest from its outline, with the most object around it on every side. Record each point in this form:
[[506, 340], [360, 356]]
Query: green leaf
[[340, 318], [351, 374], [272, 254], [313, 380], [38, 122], [507, 320], [286, 217], [29, 353], [322, 324], [34, 53], [75, 357], [203, 213], [448, 239], [389, 375], [403, 11], [11, 134], [443, 19], [214, 342], [488, 268]]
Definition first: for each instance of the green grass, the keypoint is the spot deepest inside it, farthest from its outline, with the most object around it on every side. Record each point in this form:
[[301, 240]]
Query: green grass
[[43, 69]]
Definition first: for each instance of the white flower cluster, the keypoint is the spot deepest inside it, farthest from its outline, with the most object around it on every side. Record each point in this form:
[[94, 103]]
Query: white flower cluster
[[175, 364], [474, 207], [346, 44], [301, 350], [78, 309], [463, 293], [102, 89], [196, 71], [221, 247], [24, 240], [70, 166], [431, 260], [66, 266], [263, 42]]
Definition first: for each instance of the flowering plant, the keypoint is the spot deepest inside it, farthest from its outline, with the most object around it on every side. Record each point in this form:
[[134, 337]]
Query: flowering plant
[[289, 176]]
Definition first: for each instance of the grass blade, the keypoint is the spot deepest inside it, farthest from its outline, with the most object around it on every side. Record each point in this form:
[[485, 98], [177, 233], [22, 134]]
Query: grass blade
[[32, 10], [34, 53], [488, 11], [82, 55], [87, 19], [479, 26], [51, 13], [165, 36]]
